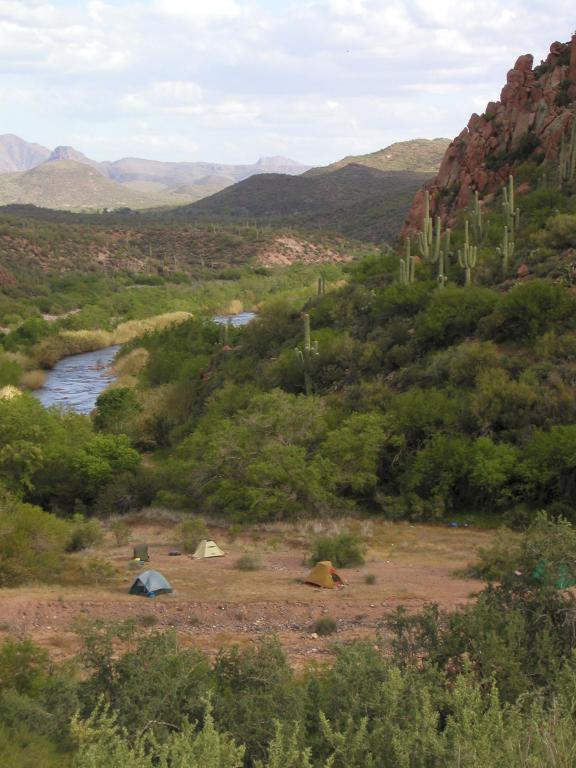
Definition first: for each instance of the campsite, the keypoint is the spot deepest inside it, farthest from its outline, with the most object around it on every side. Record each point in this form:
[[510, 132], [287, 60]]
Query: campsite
[[214, 604]]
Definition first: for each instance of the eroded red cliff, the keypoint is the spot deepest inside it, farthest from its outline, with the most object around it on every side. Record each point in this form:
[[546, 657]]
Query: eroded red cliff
[[536, 106]]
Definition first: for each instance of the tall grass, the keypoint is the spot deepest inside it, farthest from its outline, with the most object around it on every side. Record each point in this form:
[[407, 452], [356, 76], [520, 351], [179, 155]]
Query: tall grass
[[47, 353]]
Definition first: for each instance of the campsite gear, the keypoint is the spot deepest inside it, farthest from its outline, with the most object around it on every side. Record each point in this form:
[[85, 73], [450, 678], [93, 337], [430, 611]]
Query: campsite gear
[[174, 553], [150, 584], [207, 548], [324, 575], [562, 577], [141, 553]]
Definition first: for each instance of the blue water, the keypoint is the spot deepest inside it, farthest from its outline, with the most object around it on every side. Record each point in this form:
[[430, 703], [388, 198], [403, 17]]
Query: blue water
[[75, 382], [241, 319]]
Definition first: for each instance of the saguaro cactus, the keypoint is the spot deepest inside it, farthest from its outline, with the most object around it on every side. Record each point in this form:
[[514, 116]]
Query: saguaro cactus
[[321, 285], [467, 256], [306, 355], [425, 237], [443, 258], [506, 250], [407, 265], [511, 213], [567, 160], [477, 220]]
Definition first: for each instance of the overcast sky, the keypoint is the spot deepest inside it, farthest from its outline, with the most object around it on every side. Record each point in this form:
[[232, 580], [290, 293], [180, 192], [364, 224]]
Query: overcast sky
[[233, 80]]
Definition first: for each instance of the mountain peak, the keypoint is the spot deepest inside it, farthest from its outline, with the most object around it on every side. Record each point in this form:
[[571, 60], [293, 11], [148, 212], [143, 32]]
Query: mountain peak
[[69, 153], [19, 155]]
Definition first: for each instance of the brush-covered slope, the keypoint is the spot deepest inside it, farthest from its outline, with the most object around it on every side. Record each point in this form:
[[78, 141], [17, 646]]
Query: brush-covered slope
[[356, 200], [69, 185], [526, 126], [35, 242], [418, 155]]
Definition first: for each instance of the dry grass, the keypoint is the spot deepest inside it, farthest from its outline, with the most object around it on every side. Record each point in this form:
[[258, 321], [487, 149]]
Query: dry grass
[[132, 364], [47, 353], [235, 307], [133, 328], [33, 379]]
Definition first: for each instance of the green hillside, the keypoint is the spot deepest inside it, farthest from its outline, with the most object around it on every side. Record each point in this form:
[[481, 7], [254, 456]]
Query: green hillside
[[361, 202], [417, 155]]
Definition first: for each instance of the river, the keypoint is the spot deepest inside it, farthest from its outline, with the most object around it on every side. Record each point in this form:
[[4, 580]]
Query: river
[[76, 381]]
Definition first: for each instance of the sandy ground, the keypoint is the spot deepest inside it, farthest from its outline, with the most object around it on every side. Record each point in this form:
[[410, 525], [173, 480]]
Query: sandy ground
[[214, 604]]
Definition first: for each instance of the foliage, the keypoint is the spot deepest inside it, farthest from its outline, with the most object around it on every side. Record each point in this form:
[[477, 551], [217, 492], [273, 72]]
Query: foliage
[[248, 563], [32, 543], [344, 550], [325, 626], [84, 533], [190, 532], [121, 533]]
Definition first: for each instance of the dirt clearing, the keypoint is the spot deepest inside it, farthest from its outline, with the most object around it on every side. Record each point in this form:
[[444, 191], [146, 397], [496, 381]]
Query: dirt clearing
[[214, 604]]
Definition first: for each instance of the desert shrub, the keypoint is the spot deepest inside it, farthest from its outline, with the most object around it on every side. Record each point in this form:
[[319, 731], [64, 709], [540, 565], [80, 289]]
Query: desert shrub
[[248, 563], [177, 679], [452, 315], [190, 533], [353, 449], [439, 470], [23, 666], [343, 550], [254, 688], [10, 372], [114, 408], [103, 743], [400, 301], [32, 543], [471, 358], [325, 626], [421, 413], [84, 533], [370, 579], [550, 460], [91, 570], [121, 532], [21, 748], [515, 556], [148, 620], [530, 310], [502, 404]]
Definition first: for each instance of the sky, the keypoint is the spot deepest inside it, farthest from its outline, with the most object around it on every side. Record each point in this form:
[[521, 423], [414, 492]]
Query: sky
[[234, 80]]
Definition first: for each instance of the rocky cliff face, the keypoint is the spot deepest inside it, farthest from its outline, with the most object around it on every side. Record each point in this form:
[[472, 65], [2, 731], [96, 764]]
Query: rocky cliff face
[[537, 105]]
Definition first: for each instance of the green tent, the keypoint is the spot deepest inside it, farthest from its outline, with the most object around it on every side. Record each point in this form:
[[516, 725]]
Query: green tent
[[150, 584], [562, 577]]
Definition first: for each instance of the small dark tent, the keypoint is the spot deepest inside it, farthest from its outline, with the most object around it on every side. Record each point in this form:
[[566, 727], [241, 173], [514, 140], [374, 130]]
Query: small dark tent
[[150, 584], [141, 553]]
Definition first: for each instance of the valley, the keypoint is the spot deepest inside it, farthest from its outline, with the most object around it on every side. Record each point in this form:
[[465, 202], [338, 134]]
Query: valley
[[399, 414]]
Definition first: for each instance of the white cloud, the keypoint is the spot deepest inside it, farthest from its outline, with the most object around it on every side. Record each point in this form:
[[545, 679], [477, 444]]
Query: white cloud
[[234, 79]]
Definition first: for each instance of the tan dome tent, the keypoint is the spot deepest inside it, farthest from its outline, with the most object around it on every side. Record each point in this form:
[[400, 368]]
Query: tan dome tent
[[207, 548], [324, 575]]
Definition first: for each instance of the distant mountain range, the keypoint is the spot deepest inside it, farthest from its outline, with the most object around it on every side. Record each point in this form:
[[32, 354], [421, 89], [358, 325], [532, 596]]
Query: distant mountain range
[[152, 182], [361, 196], [353, 196]]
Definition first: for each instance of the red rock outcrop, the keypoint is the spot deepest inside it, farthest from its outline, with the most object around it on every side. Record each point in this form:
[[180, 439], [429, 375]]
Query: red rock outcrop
[[536, 106]]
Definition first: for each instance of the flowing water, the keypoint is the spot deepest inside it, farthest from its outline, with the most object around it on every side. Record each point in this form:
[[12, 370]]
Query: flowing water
[[75, 382]]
